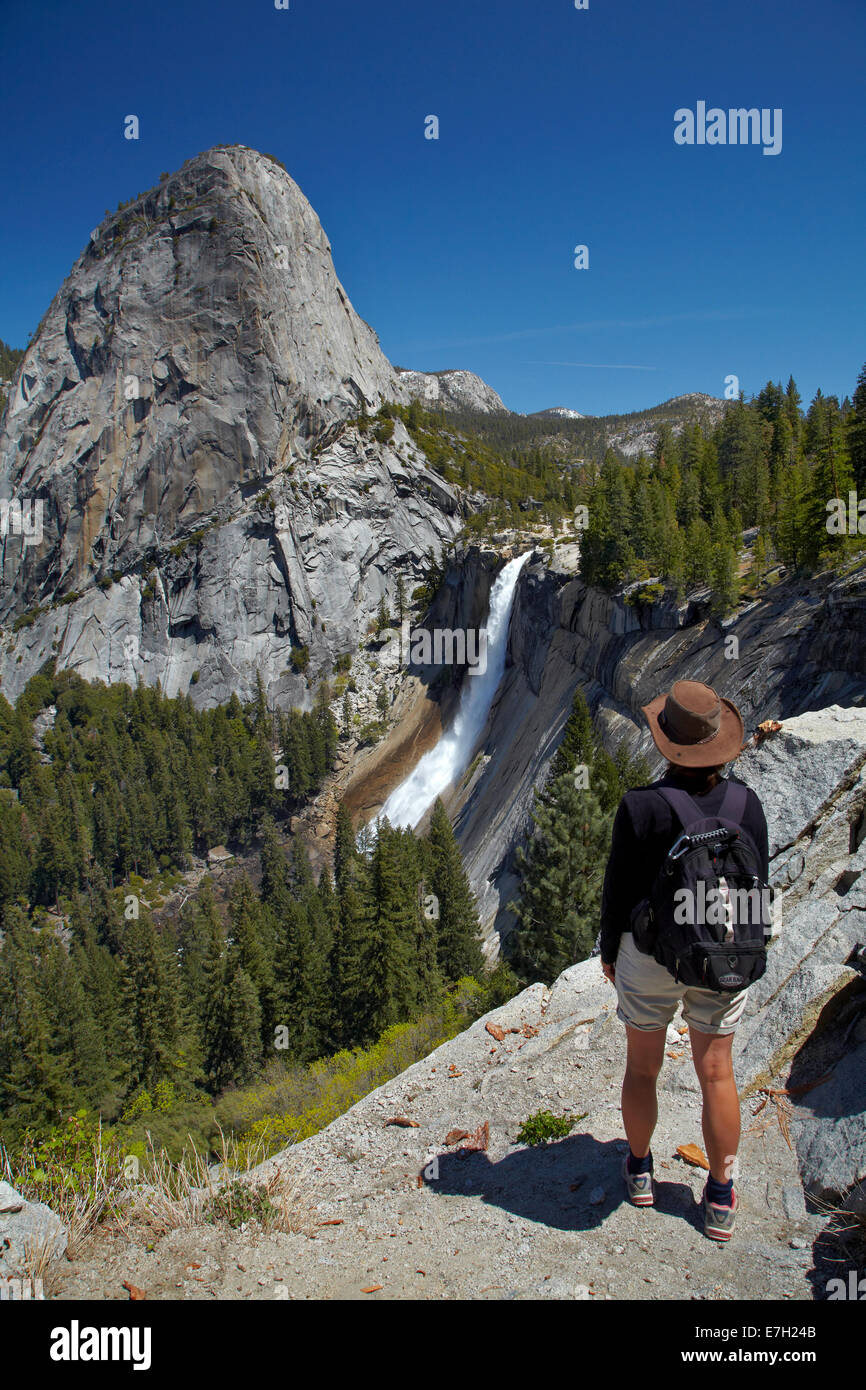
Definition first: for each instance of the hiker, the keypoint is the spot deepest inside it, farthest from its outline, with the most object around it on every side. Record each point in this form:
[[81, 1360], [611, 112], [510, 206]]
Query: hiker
[[699, 733]]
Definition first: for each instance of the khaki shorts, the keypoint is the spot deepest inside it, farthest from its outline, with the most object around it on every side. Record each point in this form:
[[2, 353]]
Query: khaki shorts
[[648, 996]]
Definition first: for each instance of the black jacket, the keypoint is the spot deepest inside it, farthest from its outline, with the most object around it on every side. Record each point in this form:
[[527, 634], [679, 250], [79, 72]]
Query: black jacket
[[644, 829]]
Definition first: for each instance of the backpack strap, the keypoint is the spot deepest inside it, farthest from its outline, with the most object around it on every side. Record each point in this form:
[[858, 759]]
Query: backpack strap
[[733, 805], [686, 809]]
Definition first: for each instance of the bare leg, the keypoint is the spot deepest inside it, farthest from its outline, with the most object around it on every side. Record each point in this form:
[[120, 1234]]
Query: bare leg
[[639, 1104], [721, 1113]]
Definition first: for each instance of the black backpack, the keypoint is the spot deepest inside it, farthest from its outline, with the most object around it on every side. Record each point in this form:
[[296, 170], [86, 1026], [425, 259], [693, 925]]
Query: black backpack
[[707, 917]]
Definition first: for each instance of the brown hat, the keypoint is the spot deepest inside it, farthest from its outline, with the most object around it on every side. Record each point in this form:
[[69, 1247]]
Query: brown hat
[[694, 727]]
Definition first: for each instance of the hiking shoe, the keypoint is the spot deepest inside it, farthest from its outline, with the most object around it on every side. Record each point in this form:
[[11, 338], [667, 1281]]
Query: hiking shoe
[[639, 1187], [719, 1221]]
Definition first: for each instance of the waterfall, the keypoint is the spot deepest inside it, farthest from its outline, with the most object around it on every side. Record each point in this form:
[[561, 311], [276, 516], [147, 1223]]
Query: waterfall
[[449, 759]]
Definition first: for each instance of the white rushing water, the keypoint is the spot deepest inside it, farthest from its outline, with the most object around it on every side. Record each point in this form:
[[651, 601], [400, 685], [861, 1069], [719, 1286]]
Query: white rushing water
[[450, 758]]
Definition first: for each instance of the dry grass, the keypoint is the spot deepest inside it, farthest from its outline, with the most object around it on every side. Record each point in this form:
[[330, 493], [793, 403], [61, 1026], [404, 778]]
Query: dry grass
[[39, 1254], [164, 1195], [183, 1194], [780, 1110]]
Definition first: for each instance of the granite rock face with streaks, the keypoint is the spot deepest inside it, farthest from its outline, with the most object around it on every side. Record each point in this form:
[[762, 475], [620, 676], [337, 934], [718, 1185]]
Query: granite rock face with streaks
[[183, 417]]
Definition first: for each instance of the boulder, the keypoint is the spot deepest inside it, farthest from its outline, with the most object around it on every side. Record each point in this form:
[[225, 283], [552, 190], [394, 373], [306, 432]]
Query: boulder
[[26, 1229]]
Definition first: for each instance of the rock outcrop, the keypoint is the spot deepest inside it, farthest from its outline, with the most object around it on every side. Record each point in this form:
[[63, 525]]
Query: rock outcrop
[[806, 1022], [183, 419], [451, 390], [31, 1235]]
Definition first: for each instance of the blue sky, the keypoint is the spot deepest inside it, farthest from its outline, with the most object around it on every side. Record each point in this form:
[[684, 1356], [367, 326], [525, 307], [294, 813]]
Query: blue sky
[[556, 129]]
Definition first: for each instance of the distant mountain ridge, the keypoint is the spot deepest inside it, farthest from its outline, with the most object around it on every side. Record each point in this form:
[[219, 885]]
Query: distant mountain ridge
[[453, 389], [464, 394], [561, 412]]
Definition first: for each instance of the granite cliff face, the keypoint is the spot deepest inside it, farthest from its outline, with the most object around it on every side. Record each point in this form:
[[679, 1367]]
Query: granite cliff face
[[183, 418]]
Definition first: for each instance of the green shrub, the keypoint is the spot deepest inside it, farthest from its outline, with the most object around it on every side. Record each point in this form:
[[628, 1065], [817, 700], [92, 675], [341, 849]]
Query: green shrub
[[467, 776], [76, 1169], [164, 1097], [171, 1131], [384, 431], [27, 619], [195, 539], [372, 731], [645, 596], [300, 658], [544, 1125], [142, 1104]]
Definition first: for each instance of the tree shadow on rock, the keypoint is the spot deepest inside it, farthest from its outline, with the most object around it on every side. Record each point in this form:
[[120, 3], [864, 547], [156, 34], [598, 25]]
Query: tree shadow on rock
[[558, 1184]]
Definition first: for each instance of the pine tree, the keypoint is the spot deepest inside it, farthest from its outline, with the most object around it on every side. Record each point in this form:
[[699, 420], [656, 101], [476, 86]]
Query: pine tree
[[699, 547], [350, 969], [101, 977], [392, 929], [250, 948], [723, 577], [791, 529], [578, 739], [832, 478], [346, 856], [301, 977], [327, 727], [35, 1086], [562, 879], [856, 432], [76, 1035], [275, 867], [151, 1001], [459, 945], [235, 1047]]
